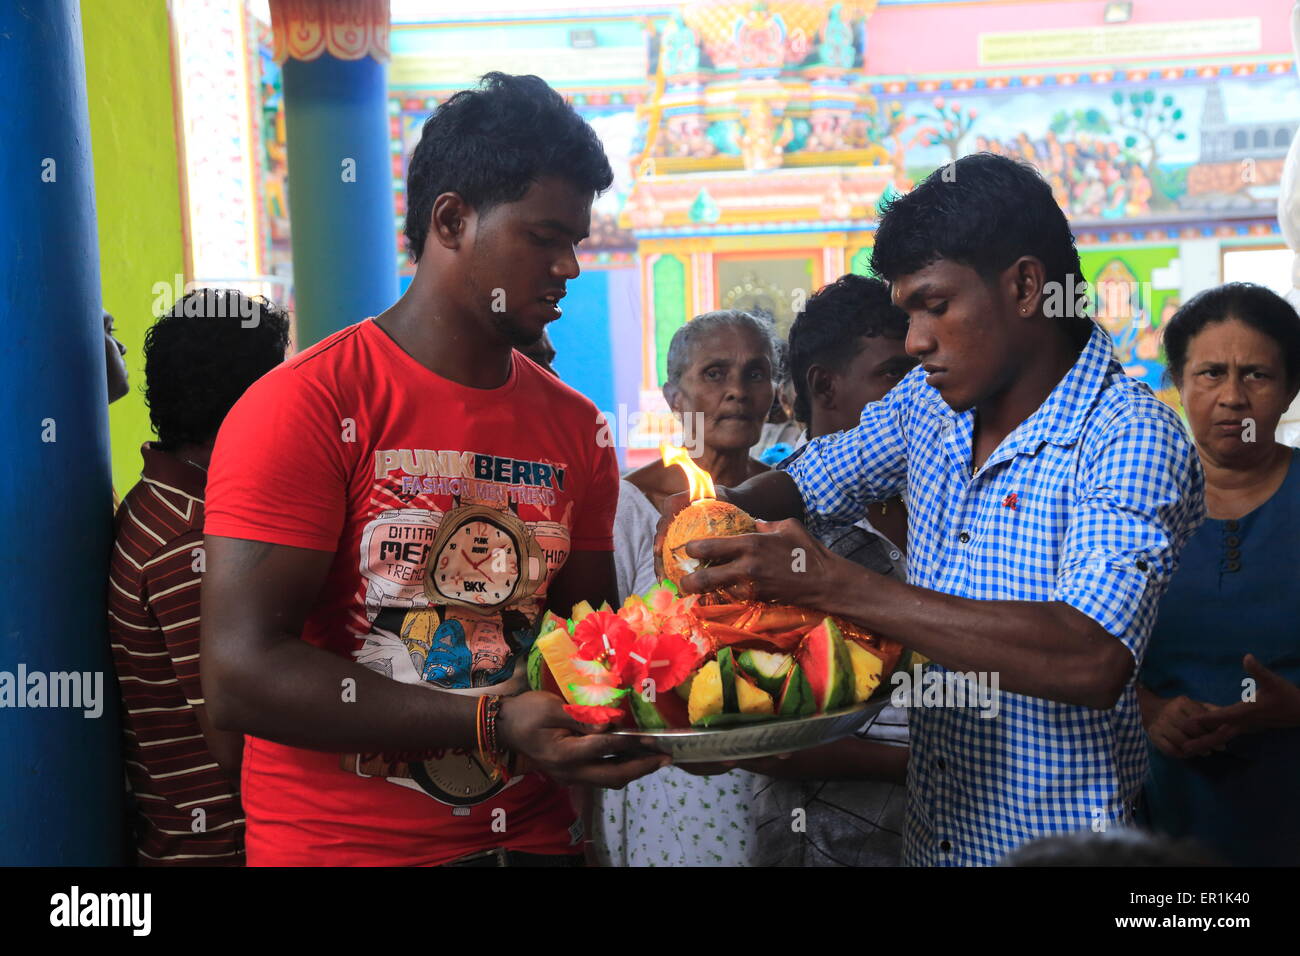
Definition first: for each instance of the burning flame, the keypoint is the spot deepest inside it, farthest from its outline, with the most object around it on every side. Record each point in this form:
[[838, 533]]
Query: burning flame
[[701, 483]]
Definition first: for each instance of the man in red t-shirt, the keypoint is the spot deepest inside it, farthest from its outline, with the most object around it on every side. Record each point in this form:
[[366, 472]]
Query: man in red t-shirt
[[390, 512]]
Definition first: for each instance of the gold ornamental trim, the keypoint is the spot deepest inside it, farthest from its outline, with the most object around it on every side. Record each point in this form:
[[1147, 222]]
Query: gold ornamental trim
[[345, 29]]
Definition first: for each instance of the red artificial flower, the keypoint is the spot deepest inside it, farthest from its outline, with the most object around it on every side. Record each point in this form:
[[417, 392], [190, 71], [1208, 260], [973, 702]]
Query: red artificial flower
[[594, 715], [665, 659], [604, 636]]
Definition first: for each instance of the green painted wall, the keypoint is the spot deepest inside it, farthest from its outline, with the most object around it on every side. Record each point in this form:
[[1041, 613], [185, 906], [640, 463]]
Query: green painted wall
[[137, 189], [669, 278], [860, 262]]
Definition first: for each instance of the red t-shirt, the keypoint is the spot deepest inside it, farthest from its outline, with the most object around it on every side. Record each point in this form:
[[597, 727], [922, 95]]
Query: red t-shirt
[[448, 509]]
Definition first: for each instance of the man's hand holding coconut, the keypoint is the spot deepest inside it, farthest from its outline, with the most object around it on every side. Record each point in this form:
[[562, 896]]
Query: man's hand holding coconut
[[715, 544]]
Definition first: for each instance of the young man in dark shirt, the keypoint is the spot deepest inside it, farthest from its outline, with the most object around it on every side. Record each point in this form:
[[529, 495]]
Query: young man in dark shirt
[[184, 773]]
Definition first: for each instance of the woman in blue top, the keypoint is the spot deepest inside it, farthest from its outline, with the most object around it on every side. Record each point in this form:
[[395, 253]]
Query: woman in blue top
[[1218, 688]]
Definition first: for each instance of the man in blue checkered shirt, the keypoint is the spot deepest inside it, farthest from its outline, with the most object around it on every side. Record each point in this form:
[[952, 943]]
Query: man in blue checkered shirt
[[1049, 496]]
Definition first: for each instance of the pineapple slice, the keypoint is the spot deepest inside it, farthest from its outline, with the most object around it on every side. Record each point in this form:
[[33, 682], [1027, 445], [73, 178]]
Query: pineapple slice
[[558, 651], [867, 670], [706, 693], [752, 699]]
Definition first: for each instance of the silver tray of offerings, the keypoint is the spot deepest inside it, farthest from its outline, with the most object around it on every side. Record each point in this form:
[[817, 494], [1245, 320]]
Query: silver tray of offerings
[[735, 680], [752, 680], [766, 738]]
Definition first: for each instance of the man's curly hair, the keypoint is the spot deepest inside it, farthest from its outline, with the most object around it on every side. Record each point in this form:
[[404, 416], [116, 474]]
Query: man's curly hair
[[201, 357], [490, 144], [828, 331]]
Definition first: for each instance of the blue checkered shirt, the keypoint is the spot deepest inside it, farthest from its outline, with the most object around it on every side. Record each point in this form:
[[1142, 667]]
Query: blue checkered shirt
[[1106, 487]]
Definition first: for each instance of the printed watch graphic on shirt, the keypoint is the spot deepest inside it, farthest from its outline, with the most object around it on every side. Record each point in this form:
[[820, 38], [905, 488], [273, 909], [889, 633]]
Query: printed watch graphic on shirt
[[483, 557], [453, 584]]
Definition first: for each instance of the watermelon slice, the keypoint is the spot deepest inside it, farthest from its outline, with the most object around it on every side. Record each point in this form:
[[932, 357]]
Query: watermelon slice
[[909, 659], [824, 657], [769, 670], [727, 672], [796, 697], [665, 712], [551, 622], [683, 690]]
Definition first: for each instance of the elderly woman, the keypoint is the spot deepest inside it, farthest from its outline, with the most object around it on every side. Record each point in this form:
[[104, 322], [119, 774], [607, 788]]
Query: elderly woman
[[1218, 684], [720, 368]]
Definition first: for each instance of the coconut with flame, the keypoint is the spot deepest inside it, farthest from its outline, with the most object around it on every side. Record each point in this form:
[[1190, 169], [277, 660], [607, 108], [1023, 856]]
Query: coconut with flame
[[705, 517]]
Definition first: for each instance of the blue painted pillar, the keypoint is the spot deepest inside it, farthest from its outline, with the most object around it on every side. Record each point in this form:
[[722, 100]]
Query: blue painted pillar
[[61, 796], [340, 192]]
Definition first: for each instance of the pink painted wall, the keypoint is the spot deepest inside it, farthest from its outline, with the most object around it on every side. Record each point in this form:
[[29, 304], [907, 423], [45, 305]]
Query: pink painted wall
[[944, 37]]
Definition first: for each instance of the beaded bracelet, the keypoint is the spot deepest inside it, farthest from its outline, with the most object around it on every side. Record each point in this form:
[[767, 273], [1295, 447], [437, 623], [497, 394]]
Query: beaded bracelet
[[489, 747]]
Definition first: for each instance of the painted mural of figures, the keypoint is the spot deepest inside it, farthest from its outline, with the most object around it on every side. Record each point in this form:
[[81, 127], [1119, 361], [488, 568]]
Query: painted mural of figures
[[1119, 313], [1091, 176], [1140, 191], [1288, 217]]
